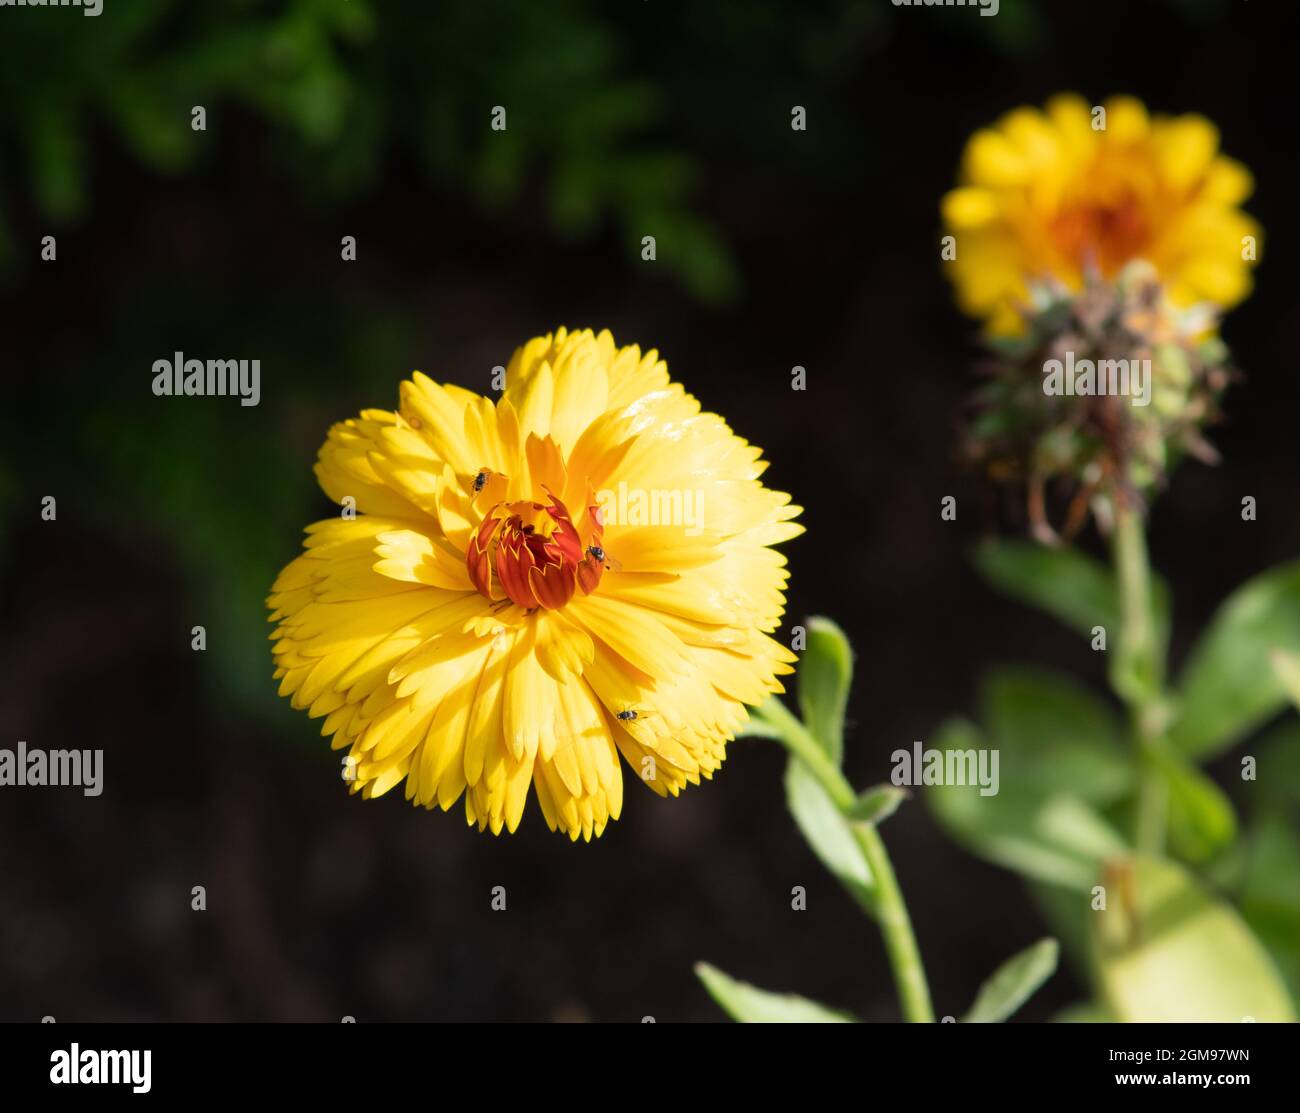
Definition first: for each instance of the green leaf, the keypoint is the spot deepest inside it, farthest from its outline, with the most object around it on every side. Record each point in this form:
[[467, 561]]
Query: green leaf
[[1067, 584], [1276, 783], [1287, 667], [1050, 836], [1013, 983], [751, 1005], [1060, 841], [1065, 912], [825, 674], [827, 832], [1063, 582], [1269, 889], [1270, 892], [1054, 735], [875, 805], [1061, 760], [1165, 950], [1201, 818], [1229, 686]]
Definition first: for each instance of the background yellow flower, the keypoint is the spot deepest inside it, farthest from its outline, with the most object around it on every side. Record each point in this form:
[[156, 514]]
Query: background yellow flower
[[1047, 194], [520, 596]]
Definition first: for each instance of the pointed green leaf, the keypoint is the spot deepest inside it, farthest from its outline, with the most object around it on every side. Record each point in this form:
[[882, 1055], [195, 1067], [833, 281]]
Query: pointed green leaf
[[1065, 583], [1201, 818], [1030, 826], [1068, 585], [1275, 782], [1013, 983], [875, 805], [751, 1005], [1229, 685], [825, 674], [1054, 735], [827, 831]]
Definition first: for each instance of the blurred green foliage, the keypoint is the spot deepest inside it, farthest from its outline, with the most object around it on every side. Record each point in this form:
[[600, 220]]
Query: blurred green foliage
[[1070, 779], [618, 111], [343, 86], [615, 112]]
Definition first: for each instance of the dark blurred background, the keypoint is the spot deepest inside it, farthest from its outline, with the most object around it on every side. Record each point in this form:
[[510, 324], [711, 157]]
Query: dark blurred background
[[329, 118]]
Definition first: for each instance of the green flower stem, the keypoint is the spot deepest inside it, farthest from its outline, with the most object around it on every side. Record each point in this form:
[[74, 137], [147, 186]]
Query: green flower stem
[[1140, 676], [887, 898], [896, 927]]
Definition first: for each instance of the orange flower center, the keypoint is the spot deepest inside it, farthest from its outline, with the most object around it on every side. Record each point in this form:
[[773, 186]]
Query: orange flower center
[[1106, 234], [532, 554]]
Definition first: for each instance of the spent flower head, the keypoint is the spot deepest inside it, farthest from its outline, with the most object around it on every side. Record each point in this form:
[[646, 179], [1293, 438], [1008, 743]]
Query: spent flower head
[[1100, 396], [1099, 246]]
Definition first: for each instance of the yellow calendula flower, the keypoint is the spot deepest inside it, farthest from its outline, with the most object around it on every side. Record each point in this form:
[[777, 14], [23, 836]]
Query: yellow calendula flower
[[1051, 195], [518, 591]]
